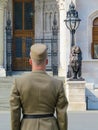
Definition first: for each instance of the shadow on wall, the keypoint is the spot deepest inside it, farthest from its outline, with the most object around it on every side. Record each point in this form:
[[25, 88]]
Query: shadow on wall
[[91, 100]]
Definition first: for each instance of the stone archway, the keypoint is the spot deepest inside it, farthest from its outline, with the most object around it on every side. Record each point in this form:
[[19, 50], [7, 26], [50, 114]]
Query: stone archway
[[23, 33]]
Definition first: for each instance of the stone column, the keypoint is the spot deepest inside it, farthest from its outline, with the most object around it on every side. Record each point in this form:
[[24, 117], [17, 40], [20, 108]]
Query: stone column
[[76, 95], [64, 43], [62, 38], [38, 19], [2, 5]]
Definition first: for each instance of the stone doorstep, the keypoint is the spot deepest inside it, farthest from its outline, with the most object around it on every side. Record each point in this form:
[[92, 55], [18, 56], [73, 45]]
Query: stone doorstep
[[6, 79], [2, 72], [18, 73], [5, 87]]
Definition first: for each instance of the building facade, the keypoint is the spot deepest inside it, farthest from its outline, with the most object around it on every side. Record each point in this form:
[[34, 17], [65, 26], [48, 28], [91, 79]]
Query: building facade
[[31, 19], [35, 19]]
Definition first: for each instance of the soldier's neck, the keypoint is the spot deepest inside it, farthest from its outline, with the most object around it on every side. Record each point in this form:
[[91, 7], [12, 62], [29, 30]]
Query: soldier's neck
[[34, 68]]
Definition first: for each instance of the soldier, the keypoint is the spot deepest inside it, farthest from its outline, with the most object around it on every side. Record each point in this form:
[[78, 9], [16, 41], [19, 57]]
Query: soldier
[[35, 97]]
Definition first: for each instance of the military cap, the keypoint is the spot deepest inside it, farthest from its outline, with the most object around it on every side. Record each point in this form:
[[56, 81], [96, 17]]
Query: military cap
[[38, 51]]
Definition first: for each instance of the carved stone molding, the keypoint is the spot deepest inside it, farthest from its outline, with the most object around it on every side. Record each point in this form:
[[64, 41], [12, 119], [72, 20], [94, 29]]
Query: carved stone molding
[[61, 4], [51, 7], [47, 5], [38, 8], [3, 3]]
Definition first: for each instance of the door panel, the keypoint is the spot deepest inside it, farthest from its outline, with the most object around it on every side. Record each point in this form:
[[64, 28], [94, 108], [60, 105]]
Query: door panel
[[28, 8], [23, 33], [18, 15]]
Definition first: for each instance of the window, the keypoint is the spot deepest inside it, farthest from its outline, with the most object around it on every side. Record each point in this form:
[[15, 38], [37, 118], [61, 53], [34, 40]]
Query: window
[[18, 15], [95, 39], [23, 14]]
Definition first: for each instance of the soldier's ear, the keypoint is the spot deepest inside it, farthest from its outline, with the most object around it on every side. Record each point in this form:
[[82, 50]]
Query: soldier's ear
[[46, 61], [30, 61]]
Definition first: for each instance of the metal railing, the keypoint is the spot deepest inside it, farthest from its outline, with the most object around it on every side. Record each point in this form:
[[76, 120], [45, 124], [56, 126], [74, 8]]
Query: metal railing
[[52, 45]]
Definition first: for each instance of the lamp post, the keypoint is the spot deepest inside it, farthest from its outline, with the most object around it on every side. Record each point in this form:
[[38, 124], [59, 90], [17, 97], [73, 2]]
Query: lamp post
[[72, 21]]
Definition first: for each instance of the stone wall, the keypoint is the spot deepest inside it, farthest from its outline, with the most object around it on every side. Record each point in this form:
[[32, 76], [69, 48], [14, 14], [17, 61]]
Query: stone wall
[[3, 5], [44, 15], [88, 11]]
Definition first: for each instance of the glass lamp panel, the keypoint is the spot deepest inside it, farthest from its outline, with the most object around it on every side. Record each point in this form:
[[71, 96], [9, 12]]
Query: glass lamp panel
[[73, 23], [77, 23], [68, 24]]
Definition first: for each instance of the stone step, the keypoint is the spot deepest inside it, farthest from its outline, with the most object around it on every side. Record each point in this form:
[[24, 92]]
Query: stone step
[[6, 80], [5, 88], [6, 84], [4, 97]]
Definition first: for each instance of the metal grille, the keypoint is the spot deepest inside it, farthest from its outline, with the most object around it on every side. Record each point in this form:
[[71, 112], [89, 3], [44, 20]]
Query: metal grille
[[18, 48], [52, 51], [28, 45], [52, 54]]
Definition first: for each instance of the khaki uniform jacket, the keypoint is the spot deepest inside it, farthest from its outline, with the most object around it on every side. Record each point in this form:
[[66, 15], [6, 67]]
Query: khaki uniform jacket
[[38, 93]]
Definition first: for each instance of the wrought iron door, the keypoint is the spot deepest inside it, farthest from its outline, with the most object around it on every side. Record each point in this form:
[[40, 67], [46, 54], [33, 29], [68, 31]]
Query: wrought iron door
[[23, 32]]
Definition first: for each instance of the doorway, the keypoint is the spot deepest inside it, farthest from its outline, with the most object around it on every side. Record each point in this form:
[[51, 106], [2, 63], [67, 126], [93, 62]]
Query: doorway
[[23, 33]]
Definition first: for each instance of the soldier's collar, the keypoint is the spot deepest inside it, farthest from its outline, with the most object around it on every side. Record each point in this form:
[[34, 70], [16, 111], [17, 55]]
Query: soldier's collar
[[39, 71]]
